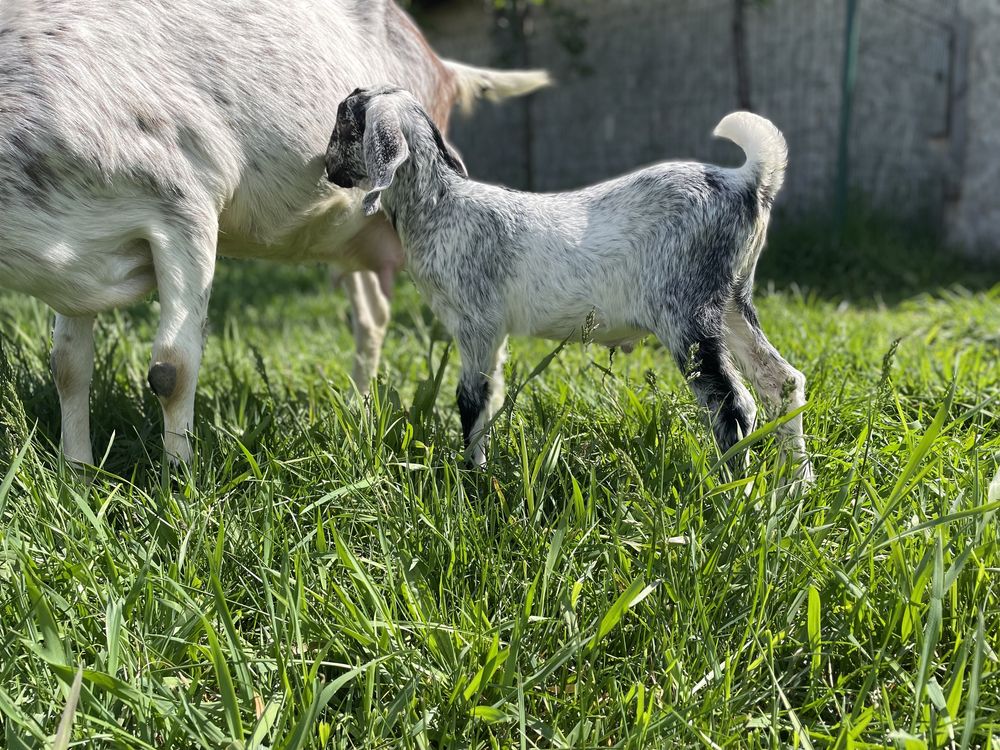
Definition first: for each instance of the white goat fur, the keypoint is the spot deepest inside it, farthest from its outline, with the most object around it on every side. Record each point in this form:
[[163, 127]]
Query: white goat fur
[[139, 138]]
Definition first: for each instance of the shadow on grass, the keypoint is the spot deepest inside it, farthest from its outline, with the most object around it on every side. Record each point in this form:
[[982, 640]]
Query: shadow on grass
[[871, 261], [242, 283]]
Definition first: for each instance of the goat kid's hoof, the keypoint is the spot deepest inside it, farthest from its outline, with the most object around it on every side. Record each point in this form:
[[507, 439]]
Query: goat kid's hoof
[[476, 459], [802, 479]]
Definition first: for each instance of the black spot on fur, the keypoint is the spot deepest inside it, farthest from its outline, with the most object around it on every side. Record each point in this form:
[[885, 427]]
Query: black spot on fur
[[471, 402], [162, 379], [749, 203], [767, 199], [33, 165], [447, 154], [38, 172], [357, 108], [714, 181], [146, 123]]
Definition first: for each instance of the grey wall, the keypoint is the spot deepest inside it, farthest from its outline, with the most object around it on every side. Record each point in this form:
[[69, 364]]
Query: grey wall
[[655, 76], [974, 215]]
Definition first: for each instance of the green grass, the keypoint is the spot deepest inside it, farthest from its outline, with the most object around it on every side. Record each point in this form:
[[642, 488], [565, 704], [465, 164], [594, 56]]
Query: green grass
[[328, 575]]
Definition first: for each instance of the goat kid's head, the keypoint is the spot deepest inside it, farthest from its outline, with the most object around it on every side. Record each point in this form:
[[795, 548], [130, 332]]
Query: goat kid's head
[[372, 137]]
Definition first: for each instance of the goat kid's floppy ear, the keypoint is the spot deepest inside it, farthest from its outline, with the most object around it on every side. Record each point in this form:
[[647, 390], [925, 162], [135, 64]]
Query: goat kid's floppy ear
[[385, 151]]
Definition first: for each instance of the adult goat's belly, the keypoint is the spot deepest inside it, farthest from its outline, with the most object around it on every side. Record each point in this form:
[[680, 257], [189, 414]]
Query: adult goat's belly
[[322, 230], [75, 280]]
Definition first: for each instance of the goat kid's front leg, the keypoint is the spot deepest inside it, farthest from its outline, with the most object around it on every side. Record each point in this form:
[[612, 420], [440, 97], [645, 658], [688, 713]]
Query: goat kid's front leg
[[185, 264], [480, 391], [72, 370]]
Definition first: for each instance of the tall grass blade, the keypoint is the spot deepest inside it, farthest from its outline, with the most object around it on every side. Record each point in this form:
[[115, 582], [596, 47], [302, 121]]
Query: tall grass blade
[[65, 731]]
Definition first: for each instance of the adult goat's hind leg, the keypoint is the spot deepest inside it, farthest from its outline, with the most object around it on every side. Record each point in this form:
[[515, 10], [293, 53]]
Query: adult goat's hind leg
[[371, 319], [72, 370], [184, 259], [782, 387], [376, 248]]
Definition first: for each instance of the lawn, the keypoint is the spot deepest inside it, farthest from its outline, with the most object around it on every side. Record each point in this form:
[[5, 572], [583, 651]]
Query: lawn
[[329, 575]]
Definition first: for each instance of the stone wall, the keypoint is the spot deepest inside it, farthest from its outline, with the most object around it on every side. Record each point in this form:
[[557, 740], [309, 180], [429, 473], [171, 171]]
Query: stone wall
[[653, 77]]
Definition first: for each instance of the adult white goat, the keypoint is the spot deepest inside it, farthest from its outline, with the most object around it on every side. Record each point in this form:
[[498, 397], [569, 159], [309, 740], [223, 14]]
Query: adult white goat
[[139, 138]]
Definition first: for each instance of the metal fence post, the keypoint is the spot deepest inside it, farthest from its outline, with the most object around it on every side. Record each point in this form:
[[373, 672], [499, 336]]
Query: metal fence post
[[849, 76]]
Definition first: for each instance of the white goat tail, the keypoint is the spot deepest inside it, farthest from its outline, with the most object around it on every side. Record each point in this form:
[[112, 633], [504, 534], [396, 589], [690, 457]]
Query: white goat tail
[[478, 83], [765, 147]]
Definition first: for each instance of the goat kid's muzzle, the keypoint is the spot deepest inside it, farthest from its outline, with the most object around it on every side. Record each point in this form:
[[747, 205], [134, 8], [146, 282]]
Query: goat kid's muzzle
[[340, 178]]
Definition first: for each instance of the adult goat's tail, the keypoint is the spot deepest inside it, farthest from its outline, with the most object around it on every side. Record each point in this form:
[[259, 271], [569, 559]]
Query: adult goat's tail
[[765, 147], [474, 83]]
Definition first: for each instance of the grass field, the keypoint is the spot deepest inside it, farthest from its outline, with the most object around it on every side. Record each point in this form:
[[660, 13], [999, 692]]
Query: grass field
[[329, 576]]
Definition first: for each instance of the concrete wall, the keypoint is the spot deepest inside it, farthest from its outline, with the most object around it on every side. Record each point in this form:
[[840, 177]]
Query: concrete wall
[[901, 131], [974, 215], [655, 76]]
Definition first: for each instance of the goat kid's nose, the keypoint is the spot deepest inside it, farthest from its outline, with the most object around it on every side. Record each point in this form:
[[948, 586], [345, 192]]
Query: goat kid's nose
[[339, 178]]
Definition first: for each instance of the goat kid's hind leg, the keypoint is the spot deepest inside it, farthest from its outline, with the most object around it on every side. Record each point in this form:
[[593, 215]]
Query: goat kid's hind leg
[[705, 361], [184, 260], [371, 319], [72, 370], [480, 391], [782, 387]]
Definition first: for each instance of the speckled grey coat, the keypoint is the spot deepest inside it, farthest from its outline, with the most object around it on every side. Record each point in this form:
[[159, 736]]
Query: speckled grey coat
[[668, 250]]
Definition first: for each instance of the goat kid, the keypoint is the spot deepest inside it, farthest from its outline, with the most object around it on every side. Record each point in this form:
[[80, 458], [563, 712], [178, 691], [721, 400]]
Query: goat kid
[[668, 250], [128, 161]]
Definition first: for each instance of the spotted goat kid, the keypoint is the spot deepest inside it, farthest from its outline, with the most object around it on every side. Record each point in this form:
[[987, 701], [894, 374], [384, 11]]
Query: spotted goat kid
[[668, 250]]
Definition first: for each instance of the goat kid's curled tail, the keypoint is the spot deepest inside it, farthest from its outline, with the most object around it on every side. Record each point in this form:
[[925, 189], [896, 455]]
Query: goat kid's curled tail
[[765, 147]]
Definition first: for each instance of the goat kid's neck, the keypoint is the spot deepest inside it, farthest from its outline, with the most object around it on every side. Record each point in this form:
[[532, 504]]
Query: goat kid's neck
[[414, 200]]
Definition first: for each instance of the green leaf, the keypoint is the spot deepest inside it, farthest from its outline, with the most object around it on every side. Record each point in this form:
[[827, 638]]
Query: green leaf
[[813, 629], [490, 715], [230, 704], [113, 633], [12, 470], [932, 632], [634, 594], [65, 731], [262, 729], [972, 701]]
